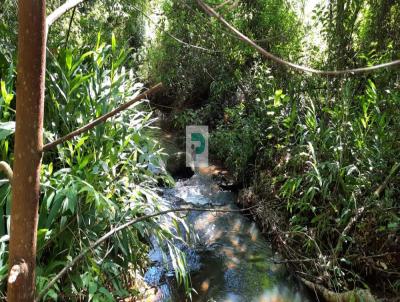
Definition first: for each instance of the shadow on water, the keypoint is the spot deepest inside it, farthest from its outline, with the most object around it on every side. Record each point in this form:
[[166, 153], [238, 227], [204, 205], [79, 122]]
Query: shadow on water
[[230, 260]]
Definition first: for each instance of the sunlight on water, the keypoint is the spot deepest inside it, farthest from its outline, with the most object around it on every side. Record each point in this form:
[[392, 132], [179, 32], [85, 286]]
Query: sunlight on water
[[233, 263]]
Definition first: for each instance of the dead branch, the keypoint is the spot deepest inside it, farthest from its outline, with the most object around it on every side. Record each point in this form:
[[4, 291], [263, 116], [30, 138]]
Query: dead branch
[[6, 169], [330, 296], [394, 169], [104, 117], [280, 61], [116, 230], [349, 226]]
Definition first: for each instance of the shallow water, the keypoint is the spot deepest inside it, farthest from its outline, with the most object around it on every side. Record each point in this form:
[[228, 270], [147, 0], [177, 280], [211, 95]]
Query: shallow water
[[230, 260]]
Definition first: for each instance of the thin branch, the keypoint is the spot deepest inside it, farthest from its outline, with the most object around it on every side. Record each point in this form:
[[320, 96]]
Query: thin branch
[[223, 4], [393, 171], [277, 261], [6, 169], [278, 60], [173, 36], [73, 3], [328, 295], [104, 117], [360, 211], [347, 229], [69, 27], [113, 232], [227, 2], [58, 12]]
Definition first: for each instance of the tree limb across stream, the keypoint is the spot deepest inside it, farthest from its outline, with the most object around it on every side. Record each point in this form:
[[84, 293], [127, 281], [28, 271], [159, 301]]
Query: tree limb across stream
[[116, 230]]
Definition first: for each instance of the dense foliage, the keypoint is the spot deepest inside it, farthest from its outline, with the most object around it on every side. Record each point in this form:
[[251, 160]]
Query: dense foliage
[[321, 154], [102, 178]]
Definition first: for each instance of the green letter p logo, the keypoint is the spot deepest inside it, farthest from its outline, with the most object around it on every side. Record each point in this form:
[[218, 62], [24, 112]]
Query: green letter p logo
[[197, 146], [198, 137]]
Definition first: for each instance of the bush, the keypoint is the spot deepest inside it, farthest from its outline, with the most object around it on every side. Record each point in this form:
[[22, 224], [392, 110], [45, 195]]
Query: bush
[[95, 182]]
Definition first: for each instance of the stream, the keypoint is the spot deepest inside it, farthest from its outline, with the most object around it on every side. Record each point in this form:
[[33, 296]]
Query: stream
[[228, 257]]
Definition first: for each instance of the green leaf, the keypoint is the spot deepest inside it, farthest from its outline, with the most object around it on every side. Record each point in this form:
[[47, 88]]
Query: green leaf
[[3, 272], [68, 59], [50, 199], [72, 195], [55, 209], [106, 293], [81, 59], [84, 162], [113, 42], [277, 98], [52, 294], [81, 141], [78, 81], [7, 97], [42, 236], [98, 40], [92, 289], [6, 129]]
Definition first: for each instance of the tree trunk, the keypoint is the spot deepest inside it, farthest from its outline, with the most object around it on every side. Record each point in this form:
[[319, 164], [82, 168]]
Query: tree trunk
[[28, 149]]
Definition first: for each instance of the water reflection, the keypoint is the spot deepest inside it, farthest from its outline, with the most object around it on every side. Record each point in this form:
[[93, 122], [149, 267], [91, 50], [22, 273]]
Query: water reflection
[[233, 262]]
